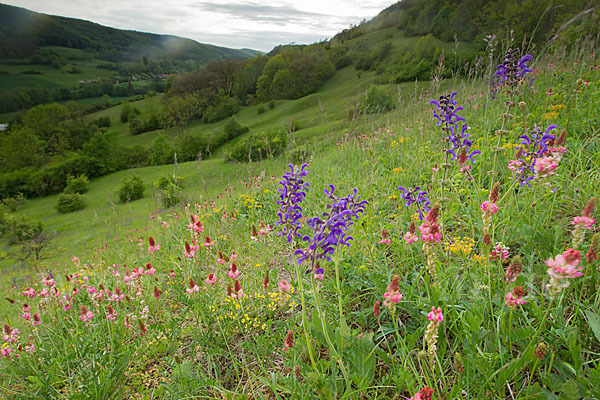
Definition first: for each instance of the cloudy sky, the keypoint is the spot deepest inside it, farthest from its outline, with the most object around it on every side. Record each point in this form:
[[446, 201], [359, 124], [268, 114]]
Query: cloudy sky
[[259, 25]]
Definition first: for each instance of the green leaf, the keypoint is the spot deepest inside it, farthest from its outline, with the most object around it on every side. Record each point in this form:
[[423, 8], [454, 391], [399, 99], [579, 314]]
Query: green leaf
[[570, 390], [594, 323]]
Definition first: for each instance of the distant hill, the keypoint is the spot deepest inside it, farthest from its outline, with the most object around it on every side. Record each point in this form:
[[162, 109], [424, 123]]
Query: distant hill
[[22, 32], [471, 21]]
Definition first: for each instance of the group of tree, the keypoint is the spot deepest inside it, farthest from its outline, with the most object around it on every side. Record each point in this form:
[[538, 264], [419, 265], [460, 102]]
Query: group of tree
[[51, 142], [23, 98]]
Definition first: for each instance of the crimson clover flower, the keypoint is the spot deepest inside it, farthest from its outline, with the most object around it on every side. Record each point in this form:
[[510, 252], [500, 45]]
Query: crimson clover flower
[[533, 146], [330, 229], [291, 195], [417, 196]]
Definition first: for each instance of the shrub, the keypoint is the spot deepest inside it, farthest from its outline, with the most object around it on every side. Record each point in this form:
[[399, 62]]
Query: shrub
[[69, 202], [102, 122], [260, 109], [377, 99], [234, 129], [12, 203], [170, 190], [135, 126], [259, 145], [297, 154], [170, 195], [164, 181], [132, 188], [272, 104], [78, 185]]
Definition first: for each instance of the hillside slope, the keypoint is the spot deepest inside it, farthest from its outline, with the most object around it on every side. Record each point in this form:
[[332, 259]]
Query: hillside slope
[[22, 32]]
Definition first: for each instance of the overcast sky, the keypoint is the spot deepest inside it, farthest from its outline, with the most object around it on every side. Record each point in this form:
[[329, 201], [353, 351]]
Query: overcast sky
[[258, 25]]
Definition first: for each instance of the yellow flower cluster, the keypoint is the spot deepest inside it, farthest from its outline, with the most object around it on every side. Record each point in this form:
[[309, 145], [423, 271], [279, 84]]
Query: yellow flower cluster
[[460, 245], [557, 107], [478, 258], [550, 115], [400, 140], [398, 169]]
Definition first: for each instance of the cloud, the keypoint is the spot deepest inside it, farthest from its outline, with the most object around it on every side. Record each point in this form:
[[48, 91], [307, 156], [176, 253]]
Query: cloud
[[256, 24]]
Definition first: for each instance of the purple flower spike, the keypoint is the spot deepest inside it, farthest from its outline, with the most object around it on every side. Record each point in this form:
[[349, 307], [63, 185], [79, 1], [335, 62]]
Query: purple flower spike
[[416, 196], [448, 119], [330, 229], [533, 146], [512, 71], [290, 197]]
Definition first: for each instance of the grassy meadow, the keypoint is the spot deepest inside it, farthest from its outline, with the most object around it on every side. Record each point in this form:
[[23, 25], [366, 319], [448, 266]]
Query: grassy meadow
[[478, 280]]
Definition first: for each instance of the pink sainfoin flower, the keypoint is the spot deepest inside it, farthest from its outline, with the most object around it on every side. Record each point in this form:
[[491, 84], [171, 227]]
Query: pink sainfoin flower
[[515, 298], [392, 296], [192, 287], [111, 314], [85, 314], [29, 292], [150, 270], [435, 318], [221, 258], [430, 234], [514, 269], [410, 238], [196, 226], [284, 285], [211, 280], [172, 273], [234, 272], [152, 246], [489, 207], [237, 290], [190, 250], [561, 268], [583, 222], [208, 243], [592, 254], [263, 229], [36, 320], [385, 237], [423, 394], [289, 341], [48, 281], [499, 252], [430, 230]]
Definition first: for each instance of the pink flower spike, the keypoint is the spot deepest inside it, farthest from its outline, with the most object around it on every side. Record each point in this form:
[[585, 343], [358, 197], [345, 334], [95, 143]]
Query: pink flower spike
[[385, 237], [211, 280], [585, 222], [489, 207], [284, 285], [410, 238], [435, 315]]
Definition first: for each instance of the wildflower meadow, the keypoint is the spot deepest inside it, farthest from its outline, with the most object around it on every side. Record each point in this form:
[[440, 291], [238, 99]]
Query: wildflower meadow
[[447, 250]]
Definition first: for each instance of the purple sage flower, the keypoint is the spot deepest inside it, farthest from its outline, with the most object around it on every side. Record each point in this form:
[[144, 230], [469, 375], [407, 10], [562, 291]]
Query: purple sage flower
[[446, 113], [290, 197], [417, 196], [513, 70], [533, 146], [329, 230]]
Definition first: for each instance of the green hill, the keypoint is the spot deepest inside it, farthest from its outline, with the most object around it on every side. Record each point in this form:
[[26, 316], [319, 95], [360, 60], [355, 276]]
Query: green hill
[[22, 32]]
